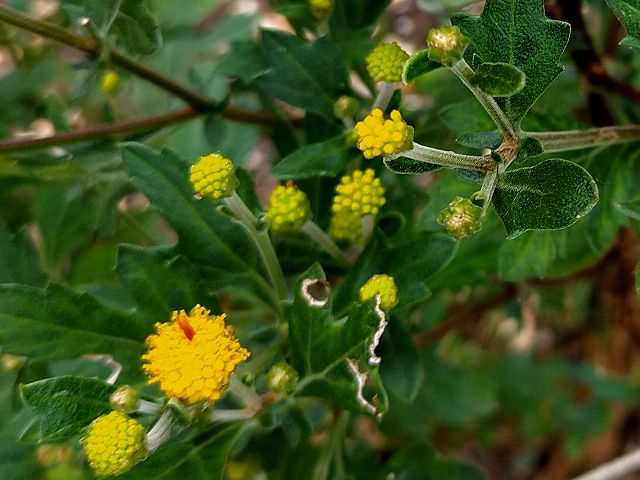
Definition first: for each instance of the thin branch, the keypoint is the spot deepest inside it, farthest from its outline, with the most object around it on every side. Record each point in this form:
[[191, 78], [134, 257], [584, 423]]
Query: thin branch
[[576, 139], [615, 469]]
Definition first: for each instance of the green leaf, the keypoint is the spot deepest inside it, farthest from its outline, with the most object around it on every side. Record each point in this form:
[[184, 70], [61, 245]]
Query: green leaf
[[518, 33], [67, 405], [499, 79], [57, 323], [402, 370], [490, 140], [16, 460], [417, 462], [408, 166], [324, 159], [245, 61], [307, 75], [19, 259], [631, 209], [417, 66], [628, 11], [551, 195], [211, 240]]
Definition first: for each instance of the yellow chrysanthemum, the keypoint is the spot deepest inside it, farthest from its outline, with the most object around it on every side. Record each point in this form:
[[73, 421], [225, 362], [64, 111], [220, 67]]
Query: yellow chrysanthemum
[[346, 226], [321, 8], [360, 194], [193, 356], [110, 82], [213, 176], [386, 62], [377, 136], [114, 443], [288, 208], [382, 285]]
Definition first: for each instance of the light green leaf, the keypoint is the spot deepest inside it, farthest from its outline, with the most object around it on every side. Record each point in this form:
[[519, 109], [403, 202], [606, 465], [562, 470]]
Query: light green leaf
[[518, 33], [324, 159], [307, 75], [551, 195], [499, 79], [628, 11], [67, 405], [417, 66]]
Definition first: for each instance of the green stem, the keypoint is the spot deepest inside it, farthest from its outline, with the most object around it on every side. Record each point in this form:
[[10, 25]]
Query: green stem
[[313, 231], [447, 158], [464, 72], [576, 139], [488, 187], [261, 238], [332, 448]]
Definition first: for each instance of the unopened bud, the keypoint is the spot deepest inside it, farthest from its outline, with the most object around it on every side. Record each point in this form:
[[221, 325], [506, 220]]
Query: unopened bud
[[345, 106], [124, 399], [446, 45], [281, 378], [461, 218]]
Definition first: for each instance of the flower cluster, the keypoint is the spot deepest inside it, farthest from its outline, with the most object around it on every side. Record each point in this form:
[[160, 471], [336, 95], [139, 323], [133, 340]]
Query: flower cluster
[[288, 208], [446, 45], [193, 356], [376, 135], [213, 176], [382, 285], [461, 218], [386, 62], [114, 443]]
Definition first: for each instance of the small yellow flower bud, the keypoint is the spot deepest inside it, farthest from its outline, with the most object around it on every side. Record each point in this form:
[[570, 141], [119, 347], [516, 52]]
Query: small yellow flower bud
[[110, 83], [321, 8], [281, 377], [346, 226], [213, 176], [461, 218], [360, 193], [114, 443], [288, 208], [382, 285], [386, 62], [377, 136], [446, 45], [124, 399]]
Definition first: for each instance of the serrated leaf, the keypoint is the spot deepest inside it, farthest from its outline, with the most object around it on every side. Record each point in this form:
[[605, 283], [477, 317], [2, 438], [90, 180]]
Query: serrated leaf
[[57, 323], [307, 75], [551, 195], [517, 32], [324, 159], [499, 79], [67, 405], [417, 66], [408, 166], [628, 12]]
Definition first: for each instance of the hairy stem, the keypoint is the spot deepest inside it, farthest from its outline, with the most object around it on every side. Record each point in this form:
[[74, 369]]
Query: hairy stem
[[313, 231], [385, 92], [576, 139], [447, 158]]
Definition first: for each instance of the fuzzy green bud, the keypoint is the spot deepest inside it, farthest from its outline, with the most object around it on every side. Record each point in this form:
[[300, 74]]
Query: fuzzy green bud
[[124, 399], [281, 378], [446, 45], [345, 106], [461, 218]]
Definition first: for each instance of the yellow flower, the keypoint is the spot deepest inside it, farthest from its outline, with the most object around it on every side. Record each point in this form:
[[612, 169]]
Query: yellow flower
[[386, 62], [110, 82], [359, 194], [213, 176], [382, 285], [288, 208], [114, 443], [193, 356], [346, 226], [321, 8], [377, 136]]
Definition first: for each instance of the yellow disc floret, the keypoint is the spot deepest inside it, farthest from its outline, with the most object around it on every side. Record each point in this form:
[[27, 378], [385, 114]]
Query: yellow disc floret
[[382, 285], [386, 62], [114, 443], [360, 193], [213, 176], [346, 226], [193, 356], [288, 208], [377, 136], [321, 8], [110, 82]]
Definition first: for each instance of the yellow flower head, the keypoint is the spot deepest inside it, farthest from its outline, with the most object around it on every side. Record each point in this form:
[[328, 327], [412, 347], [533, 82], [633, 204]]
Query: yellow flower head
[[213, 176], [110, 82], [359, 194], [193, 356], [346, 226], [377, 136], [321, 8], [386, 62], [288, 208], [114, 443], [382, 285]]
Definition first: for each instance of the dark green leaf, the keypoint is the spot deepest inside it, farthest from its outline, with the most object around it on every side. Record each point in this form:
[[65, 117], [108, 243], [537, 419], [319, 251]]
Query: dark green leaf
[[67, 405], [19, 259], [294, 75], [530, 148], [245, 61], [490, 140], [551, 195], [16, 460], [402, 370], [628, 11], [324, 159], [418, 65], [499, 79], [418, 462], [518, 33], [408, 166]]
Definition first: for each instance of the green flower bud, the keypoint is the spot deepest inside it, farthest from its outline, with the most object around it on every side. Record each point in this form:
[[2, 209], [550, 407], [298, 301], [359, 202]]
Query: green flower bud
[[124, 399], [281, 378], [10, 363], [446, 45], [345, 106], [461, 218]]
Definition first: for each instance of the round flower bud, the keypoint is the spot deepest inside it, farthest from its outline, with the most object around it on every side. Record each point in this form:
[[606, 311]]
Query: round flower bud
[[213, 176], [124, 399], [346, 226], [360, 193], [446, 45], [288, 208], [345, 106], [377, 136], [281, 377], [321, 8], [114, 443], [110, 83], [382, 285], [193, 356], [461, 218], [386, 62], [10, 363]]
